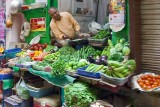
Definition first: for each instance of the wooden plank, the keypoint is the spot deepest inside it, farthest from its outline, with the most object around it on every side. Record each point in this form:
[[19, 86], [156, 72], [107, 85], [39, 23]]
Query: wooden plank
[[151, 17], [150, 6], [150, 66], [150, 49], [150, 2], [150, 61], [150, 21], [150, 32], [150, 27], [150, 36], [151, 56], [151, 46], [156, 54], [150, 12], [146, 69], [151, 41]]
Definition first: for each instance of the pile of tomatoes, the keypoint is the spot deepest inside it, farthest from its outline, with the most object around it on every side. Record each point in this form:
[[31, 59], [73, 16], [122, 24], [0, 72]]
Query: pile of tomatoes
[[148, 81]]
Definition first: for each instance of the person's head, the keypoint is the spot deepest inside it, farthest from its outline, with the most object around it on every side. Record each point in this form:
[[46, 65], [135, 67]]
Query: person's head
[[54, 13]]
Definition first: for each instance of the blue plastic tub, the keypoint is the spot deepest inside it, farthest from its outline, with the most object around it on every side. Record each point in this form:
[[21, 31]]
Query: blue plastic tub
[[81, 71], [2, 57], [39, 90], [11, 53], [6, 76]]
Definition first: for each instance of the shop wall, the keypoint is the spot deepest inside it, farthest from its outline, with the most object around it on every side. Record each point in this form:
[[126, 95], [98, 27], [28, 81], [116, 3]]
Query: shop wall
[[12, 35]]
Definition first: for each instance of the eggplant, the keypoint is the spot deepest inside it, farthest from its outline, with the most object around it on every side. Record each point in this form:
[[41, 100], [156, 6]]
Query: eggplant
[[103, 57], [97, 61], [91, 59], [104, 62]]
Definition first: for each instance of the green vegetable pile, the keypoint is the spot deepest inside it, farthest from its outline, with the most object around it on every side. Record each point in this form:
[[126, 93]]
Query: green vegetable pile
[[24, 59], [84, 52], [73, 65], [101, 34], [50, 47], [58, 68], [43, 63], [58, 60], [79, 95], [52, 57], [96, 68], [117, 52], [120, 70]]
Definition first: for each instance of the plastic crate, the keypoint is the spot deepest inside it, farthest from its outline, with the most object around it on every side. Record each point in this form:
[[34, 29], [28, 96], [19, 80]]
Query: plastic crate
[[78, 42], [98, 42], [11, 53], [114, 80], [81, 71], [14, 101], [39, 90], [13, 45], [6, 76]]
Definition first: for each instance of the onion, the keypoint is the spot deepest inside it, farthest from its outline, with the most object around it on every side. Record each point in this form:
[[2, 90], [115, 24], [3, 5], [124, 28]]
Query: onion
[[9, 22]]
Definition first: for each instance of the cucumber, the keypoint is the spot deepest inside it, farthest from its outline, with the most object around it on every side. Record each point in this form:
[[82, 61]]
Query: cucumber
[[114, 63], [90, 67], [119, 75], [119, 69], [99, 68]]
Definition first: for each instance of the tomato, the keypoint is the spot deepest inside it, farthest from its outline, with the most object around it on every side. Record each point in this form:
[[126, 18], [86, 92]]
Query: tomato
[[149, 78], [144, 86], [149, 87], [141, 84]]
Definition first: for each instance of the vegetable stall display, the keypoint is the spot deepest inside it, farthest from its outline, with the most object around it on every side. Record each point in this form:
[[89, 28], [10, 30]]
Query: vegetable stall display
[[79, 95]]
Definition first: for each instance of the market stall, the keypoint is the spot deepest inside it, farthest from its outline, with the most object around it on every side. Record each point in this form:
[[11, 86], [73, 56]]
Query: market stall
[[92, 71]]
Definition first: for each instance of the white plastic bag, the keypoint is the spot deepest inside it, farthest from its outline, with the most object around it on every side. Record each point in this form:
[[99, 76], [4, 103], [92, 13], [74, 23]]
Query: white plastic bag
[[22, 91], [15, 6], [94, 27], [25, 30]]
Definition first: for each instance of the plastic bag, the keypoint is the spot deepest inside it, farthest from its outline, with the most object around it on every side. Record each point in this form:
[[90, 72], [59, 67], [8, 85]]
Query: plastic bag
[[22, 91], [15, 6], [94, 27]]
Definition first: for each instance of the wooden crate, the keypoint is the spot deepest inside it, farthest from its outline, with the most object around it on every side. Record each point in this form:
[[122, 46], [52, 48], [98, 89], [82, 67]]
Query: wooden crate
[[17, 45]]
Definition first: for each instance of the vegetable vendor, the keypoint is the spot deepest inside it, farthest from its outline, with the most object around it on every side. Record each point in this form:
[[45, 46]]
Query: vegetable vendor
[[63, 25]]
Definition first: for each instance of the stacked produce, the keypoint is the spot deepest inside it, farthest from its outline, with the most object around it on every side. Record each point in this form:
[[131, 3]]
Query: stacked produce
[[120, 70], [42, 66], [98, 60], [79, 95], [73, 65], [149, 81], [118, 51], [52, 57], [37, 55], [84, 52], [101, 34], [51, 48], [38, 47], [23, 60], [96, 68], [21, 54], [59, 59]]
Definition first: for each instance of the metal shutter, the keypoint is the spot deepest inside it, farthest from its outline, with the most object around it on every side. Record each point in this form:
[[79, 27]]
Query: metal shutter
[[150, 35]]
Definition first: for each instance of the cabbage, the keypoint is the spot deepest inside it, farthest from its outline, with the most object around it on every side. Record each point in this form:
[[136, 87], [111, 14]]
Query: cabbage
[[113, 51], [126, 51], [119, 47]]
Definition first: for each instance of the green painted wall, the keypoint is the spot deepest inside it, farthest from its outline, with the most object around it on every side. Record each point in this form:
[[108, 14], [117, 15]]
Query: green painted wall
[[125, 32]]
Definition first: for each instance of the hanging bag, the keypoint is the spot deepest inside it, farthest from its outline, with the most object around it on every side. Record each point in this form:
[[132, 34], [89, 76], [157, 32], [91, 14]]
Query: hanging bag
[[22, 91]]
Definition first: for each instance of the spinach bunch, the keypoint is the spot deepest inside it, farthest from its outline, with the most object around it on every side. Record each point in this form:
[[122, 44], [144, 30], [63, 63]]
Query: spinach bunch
[[79, 95], [58, 68]]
